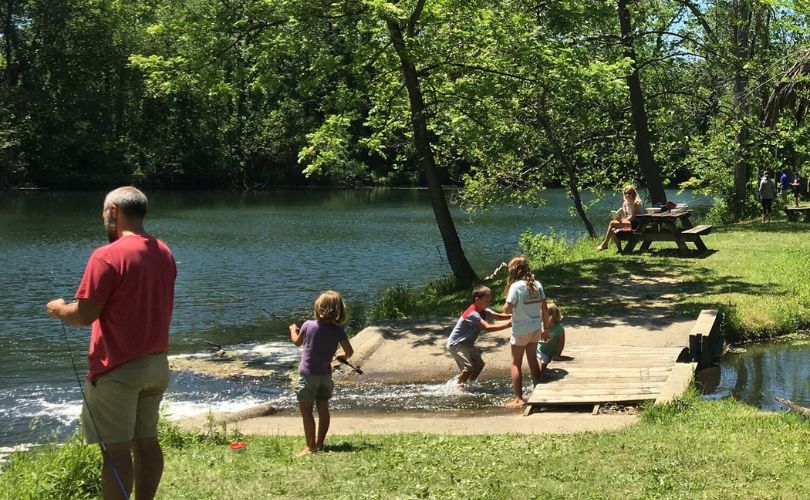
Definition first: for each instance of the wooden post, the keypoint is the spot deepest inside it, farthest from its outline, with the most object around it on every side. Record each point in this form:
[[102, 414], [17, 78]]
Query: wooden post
[[694, 347]]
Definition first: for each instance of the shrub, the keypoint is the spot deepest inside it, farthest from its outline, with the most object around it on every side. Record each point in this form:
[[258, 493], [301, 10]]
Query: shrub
[[544, 250], [70, 470]]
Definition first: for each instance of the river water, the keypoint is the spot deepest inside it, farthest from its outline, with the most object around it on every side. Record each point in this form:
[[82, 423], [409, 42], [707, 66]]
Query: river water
[[278, 249]]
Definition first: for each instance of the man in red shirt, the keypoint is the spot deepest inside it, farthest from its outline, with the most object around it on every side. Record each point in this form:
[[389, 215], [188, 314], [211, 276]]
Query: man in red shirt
[[127, 295]]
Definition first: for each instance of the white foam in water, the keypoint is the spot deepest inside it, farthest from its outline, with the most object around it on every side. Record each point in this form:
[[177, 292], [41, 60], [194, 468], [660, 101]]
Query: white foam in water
[[65, 412], [175, 410], [8, 450], [281, 353]]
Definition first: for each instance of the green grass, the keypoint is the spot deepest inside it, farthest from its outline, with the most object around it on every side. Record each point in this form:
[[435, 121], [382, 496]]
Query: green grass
[[756, 274], [689, 449]]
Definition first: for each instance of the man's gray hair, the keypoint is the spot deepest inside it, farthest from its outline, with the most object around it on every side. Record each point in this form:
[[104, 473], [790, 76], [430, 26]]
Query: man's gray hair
[[129, 200]]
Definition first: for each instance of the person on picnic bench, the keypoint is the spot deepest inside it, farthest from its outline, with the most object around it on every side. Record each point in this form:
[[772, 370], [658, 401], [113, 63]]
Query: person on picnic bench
[[626, 218]]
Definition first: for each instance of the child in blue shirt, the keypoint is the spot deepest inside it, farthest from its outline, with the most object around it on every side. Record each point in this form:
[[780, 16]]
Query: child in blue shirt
[[461, 342]]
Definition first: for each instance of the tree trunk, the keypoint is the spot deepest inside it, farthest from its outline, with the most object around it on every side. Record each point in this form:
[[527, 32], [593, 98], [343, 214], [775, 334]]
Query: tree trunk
[[462, 270], [649, 169], [9, 43], [570, 169], [740, 101]]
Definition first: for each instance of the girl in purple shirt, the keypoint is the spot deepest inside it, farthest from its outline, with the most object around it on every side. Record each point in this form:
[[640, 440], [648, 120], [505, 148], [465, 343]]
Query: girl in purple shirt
[[320, 338]]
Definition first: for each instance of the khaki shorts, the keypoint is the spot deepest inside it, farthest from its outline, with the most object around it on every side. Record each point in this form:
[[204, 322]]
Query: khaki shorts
[[124, 403], [467, 356], [525, 339], [314, 387]]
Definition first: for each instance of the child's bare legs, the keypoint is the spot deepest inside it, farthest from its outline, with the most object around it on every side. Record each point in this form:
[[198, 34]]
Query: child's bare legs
[[323, 423], [517, 376], [463, 377], [309, 426], [560, 348], [531, 358]]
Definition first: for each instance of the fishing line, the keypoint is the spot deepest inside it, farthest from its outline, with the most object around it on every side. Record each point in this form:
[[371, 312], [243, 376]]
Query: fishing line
[[243, 299], [92, 418]]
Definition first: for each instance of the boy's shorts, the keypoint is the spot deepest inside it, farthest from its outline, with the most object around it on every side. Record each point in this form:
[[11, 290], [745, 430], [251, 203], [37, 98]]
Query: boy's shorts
[[525, 339], [124, 403], [314, 387], [467, 356], [544, 358]]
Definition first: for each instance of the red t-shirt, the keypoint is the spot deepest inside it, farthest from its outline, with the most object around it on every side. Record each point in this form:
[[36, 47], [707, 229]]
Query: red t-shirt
[[132, 279]]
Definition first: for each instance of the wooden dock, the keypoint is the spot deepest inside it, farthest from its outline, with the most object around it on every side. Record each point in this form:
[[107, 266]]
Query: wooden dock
[[596, 374]]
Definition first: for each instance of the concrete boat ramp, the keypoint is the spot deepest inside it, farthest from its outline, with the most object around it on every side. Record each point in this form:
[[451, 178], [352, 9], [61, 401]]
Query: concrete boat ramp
[[605, 360]]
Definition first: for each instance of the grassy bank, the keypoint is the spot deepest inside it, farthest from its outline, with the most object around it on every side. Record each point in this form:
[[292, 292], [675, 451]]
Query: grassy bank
[[690, 449], [757, 274]]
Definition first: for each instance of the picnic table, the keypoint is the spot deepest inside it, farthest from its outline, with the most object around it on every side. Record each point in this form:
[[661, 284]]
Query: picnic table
[[793, 213], [673, 225]]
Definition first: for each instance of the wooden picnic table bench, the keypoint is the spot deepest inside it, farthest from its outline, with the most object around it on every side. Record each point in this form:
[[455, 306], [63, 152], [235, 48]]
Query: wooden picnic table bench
[[673, 225], [793, 213]]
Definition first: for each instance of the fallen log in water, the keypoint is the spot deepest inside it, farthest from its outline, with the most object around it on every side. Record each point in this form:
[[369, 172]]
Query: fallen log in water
[[801, 410], [262, 410]]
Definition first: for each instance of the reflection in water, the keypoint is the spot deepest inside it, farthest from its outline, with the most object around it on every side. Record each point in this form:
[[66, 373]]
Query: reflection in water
[[765, 372]]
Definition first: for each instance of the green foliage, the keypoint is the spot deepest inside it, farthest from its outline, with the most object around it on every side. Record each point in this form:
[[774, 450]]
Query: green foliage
[[672, 453], [70, 470], [544, 250], [215, 433], [680, 407], [438, 298]]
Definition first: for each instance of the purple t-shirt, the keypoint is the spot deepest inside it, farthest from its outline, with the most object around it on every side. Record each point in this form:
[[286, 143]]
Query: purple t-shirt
[[321, 340]]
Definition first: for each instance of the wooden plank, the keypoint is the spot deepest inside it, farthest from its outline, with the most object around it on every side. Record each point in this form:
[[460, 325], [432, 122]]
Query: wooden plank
[[574, 400], [595, 409], [584, 391], [614, 369], [617, 384], [623, 366], [705, 322]]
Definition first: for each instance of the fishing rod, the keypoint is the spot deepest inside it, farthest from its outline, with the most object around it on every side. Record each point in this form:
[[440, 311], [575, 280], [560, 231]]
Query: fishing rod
[[93, 418], [243, 299], [346, 362]]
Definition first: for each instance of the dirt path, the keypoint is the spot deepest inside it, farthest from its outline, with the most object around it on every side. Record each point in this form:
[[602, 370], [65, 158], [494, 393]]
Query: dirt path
[[495, 421]]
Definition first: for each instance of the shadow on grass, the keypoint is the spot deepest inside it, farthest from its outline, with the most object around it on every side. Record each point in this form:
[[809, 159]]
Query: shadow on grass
[[639, 289], [347, 447]]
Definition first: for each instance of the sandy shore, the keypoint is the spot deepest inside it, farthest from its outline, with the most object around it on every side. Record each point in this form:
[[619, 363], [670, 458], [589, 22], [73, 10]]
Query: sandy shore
[[496, 421]]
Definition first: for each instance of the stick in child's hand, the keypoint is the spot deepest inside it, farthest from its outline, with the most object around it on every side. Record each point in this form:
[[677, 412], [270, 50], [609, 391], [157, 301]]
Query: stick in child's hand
[[346, 362]]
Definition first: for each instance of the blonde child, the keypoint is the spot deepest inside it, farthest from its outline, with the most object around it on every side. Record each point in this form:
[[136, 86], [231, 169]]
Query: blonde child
[[320, 338], [461, 342], [553, 347], [526, 302]]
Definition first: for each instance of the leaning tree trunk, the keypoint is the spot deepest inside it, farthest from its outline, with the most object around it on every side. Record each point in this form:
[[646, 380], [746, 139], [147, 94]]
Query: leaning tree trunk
[[570, 170], [649, 169], [462, 270]]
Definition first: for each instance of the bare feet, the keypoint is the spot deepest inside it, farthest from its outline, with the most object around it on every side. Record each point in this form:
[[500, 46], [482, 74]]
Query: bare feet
[[515, 403], [306, 451], [599, 248]]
